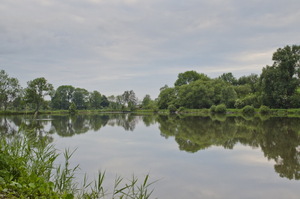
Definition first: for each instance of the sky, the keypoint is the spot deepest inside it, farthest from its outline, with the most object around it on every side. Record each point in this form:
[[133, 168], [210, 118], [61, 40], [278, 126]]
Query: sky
[[114, 46]]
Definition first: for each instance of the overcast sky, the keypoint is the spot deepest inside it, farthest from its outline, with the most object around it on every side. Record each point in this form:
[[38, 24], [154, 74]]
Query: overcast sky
[[141, 45]]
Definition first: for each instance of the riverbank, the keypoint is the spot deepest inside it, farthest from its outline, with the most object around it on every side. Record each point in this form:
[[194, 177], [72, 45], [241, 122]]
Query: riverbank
[[201, 112]]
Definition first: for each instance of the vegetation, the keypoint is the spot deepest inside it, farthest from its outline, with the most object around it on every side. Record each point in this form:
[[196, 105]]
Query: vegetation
[[277, 87], [27, 170]]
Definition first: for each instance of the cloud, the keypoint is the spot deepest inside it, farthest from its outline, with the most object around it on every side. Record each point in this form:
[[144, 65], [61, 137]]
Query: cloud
[[126, 40]]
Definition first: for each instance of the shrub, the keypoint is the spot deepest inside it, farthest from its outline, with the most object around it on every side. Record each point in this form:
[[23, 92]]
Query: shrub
[[248, 110], [72, 108], [264, 109], [213, 109], [181, 109], [172, 108], [221, 108]]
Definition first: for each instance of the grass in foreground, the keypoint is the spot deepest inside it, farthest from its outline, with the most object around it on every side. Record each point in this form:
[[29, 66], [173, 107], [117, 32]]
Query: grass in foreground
[[27, 170]]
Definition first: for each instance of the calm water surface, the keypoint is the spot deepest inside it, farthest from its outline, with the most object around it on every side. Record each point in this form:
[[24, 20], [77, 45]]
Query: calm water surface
[[191, 156]]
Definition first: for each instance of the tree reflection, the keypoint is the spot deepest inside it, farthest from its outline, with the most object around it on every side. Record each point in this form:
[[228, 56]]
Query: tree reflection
[[278, 138]]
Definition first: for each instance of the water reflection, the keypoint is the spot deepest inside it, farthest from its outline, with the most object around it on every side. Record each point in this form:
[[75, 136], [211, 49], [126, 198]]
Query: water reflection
[[278, 138]]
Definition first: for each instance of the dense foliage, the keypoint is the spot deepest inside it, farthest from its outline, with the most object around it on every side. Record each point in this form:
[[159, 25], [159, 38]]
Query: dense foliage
[[276, 87]]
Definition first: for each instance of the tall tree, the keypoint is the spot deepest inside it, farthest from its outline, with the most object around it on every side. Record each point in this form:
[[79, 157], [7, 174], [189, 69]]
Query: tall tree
[[63, 97], [36, 91], [95, 100], [10, 89], [81, 98], [280, 81], [188, 77]]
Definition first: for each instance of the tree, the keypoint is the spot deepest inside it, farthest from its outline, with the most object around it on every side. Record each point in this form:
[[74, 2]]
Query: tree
[[166, 97], [129, 99], [229, 78], [188, 77], [95, 100], [36, 91], [81, 98], [10, 90], [63, 97], [280, 81], [146, 101]]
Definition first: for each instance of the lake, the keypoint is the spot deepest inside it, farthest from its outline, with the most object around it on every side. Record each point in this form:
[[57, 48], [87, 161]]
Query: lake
[[189, 156]]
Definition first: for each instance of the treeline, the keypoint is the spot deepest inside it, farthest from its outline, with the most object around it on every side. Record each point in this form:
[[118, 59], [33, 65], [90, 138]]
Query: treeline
[[276, 87], [65, 97]]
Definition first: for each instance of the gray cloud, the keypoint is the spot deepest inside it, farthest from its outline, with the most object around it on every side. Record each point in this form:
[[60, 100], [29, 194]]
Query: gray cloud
[[119, 45]]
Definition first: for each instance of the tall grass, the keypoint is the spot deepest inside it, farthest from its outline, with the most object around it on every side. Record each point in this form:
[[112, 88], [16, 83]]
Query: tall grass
[[28, 170]]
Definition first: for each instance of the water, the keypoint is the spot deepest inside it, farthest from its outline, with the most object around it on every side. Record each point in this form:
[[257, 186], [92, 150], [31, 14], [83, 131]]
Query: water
[[191, 157]]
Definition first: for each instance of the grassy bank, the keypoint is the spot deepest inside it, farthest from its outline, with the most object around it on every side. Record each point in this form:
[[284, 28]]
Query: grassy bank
[[28, 170], [201, 112]]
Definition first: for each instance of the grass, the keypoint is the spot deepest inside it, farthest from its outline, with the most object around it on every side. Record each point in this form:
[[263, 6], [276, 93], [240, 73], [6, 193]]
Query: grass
[[28, 170]]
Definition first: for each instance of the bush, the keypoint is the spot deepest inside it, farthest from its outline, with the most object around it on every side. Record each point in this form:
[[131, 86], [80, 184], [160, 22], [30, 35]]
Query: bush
[[181, 109], [221, 108], [213, 109], [72, 108], [248, 110], [264, 109], [172, 108]]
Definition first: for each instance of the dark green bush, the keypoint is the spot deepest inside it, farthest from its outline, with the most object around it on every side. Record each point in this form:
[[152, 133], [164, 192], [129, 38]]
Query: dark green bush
[[213, 109], [248, 110], [181, 109], [221, 108], [172, 108], [264, 109]]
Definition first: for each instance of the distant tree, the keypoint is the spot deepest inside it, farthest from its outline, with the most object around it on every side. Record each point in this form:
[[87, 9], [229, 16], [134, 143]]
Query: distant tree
[[229, 78], [166, 97], [104, 102], [36, 90], [63, 97], [81, 98], [146, 101], [188, 77], [129, 98], [10, 89], [280, 81], [95, 100]]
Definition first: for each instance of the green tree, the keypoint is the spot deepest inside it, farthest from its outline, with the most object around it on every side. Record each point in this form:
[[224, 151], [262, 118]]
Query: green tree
[[280, 81], [81, 98], [188, 77], [10, 90], [95, 100], [166, 97], [63, 97], [36, 90], [146, 103], [129, 99], [229, 78]]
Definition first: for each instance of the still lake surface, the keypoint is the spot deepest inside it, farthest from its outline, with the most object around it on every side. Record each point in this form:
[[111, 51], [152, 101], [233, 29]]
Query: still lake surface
[[190, 156]]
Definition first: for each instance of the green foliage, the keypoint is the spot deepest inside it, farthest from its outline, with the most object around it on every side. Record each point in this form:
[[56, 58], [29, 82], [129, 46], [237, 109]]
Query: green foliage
[[248, 110], [10, 90], [188, 77], [221, 108], [213, 108], [36, 91], [264, 110], [27, 170], [229, 78], [72, 108], [172, 108], [181, 109], [280, 81]]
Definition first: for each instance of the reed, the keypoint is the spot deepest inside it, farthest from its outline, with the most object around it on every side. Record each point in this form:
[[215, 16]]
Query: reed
[[28, 170]]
